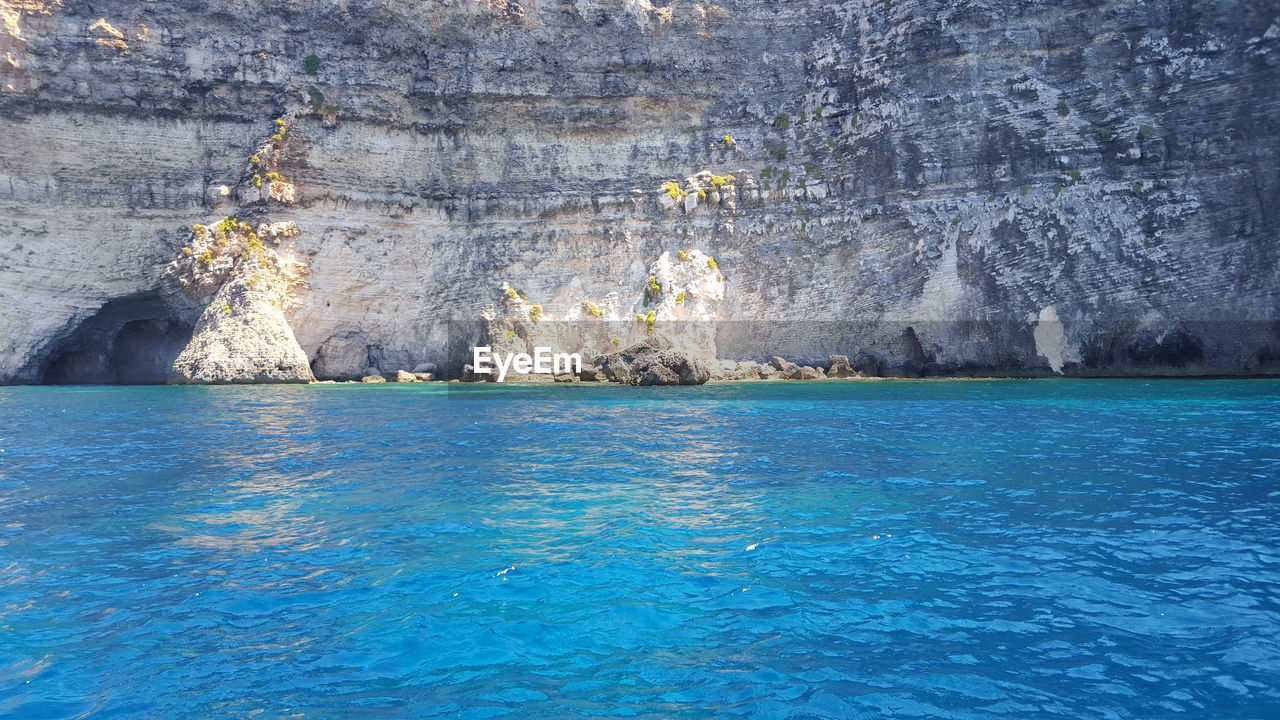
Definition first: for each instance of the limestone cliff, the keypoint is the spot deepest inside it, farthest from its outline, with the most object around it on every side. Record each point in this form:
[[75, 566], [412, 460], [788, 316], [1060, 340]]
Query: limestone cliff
[[1079, 186]]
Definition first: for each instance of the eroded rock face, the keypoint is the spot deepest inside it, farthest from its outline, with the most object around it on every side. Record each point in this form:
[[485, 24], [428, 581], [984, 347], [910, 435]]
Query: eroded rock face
[[241, 339], [243, 335], [1031, 188]]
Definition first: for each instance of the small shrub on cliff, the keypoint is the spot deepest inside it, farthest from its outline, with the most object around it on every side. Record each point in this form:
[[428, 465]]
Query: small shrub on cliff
[[593, 309], [1074, 175], [683, 255], [226, 309], [616, 341], [728, 140], [681, 298], [311, 65], [672, 188], [711, 263], [1063, 110], [782, 121], [282, 132], [253, 245], [1147, 131], [535, 313]]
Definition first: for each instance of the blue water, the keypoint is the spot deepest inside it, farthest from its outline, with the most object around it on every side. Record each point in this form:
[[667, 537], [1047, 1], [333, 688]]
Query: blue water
[[1041, 549]]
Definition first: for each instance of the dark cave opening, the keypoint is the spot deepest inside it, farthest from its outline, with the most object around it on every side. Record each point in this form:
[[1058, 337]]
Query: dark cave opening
[[130, 341]]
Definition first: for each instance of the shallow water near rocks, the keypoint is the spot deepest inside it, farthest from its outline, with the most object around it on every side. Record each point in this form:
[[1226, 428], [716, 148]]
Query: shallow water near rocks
[[1022, 549]]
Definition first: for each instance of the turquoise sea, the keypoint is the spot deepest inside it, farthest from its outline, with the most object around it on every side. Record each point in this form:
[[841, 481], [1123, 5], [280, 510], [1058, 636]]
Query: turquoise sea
[[932, 549]]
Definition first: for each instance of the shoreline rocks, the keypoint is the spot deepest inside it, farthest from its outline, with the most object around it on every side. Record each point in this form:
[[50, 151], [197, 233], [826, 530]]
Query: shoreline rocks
[[652, 361]]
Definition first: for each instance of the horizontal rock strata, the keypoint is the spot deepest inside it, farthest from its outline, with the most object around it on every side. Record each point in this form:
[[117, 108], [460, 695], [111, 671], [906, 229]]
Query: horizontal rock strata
[[927, 186]]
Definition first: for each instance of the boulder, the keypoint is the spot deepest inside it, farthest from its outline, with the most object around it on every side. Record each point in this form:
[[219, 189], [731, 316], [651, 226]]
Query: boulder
[[403, 376], [838, 367], [615, 369], [785, 369], [686, 369], [811, 373], [566, 378], [424, 376], [427, 367], [652, 361], [373, 379], [657, 374], [724, 370]]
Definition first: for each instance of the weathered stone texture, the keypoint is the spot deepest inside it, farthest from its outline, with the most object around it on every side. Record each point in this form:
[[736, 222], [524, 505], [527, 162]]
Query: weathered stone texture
[[1032, 187]]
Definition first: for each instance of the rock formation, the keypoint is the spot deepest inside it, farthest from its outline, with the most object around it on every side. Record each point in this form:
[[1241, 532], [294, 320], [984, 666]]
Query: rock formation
[[246, 288], [653, 361], [926, 186]]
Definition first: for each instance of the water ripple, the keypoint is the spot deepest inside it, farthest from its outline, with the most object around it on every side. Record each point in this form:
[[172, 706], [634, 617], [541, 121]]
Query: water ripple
[[860, 550]]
